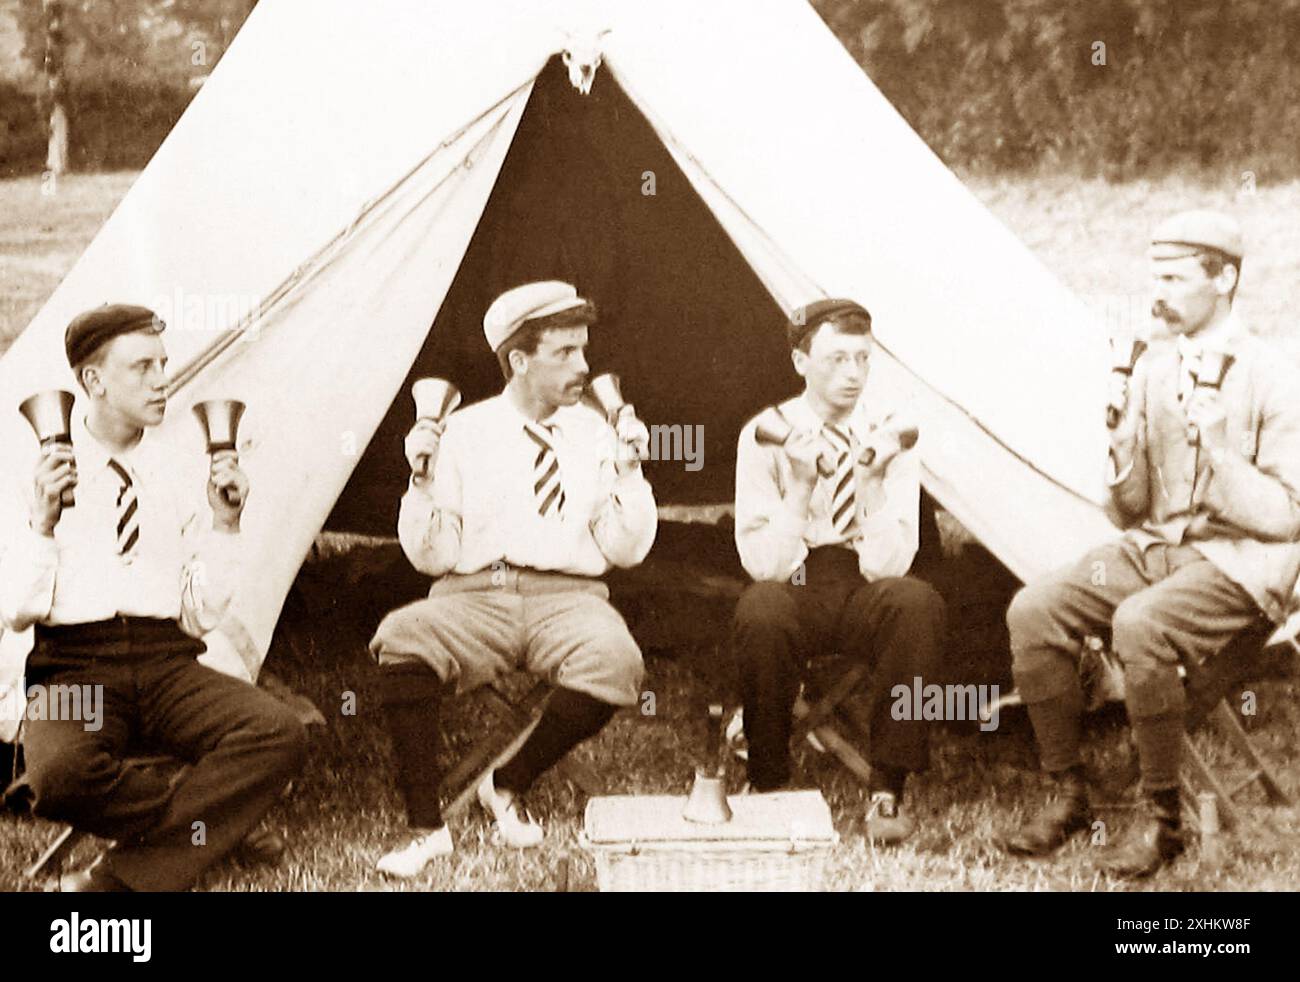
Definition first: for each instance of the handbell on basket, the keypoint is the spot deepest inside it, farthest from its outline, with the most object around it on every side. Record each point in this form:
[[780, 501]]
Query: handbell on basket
[[707, 803]]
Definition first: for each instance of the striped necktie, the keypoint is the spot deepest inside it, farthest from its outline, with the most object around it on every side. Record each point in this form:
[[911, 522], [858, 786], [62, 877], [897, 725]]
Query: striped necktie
[[128, 520], [548, 489], [843, 490]]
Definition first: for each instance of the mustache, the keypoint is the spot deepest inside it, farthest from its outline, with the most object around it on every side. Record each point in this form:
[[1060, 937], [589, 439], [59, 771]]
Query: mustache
[[1161, 310]]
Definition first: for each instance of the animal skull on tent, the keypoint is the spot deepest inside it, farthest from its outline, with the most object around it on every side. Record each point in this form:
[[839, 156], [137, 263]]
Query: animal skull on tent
[[582, 56]]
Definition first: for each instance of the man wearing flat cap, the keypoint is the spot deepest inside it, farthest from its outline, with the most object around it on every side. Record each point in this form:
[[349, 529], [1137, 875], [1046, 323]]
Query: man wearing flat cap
[[120, 585], [827, 524], [1204, 477], [533, 496]]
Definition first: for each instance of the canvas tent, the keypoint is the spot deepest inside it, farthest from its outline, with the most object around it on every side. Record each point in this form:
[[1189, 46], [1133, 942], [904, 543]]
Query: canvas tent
[[354, 174]]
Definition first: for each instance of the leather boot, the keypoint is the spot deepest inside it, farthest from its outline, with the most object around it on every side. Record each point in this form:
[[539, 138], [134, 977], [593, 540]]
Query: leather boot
[[1067, 813], [1152, 842]]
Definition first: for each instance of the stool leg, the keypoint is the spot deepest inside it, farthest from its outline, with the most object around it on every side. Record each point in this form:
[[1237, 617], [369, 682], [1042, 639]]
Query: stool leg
[[1237, 735], [53, 856], [1193, 761]]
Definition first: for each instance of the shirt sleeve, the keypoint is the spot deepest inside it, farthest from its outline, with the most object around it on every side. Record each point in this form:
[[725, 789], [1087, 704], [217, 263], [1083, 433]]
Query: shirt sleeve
[[889, 517], [769, 529], [210, 576], [29, 564], [429, 521], [1130, 485], [626, 519]]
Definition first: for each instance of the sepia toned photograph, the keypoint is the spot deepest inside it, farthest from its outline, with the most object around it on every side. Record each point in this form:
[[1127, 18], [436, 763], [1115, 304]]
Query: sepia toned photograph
[[666, 446]]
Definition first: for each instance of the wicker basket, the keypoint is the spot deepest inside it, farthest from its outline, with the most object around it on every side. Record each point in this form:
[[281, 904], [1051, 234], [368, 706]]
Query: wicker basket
[[773, 842]]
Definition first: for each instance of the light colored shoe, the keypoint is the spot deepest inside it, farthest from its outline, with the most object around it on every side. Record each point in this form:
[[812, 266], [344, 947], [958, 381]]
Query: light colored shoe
[[735, 735], [418, 853], [518, 829]]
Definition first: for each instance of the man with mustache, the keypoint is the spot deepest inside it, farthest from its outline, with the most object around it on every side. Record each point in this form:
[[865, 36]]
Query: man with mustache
[[829, 549], [1204, 476], [531, 497], [121, 586]]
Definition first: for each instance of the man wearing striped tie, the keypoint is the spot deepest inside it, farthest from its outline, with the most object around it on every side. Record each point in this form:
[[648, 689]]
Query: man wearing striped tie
[[120, 587], [828, 532], [531, 498]]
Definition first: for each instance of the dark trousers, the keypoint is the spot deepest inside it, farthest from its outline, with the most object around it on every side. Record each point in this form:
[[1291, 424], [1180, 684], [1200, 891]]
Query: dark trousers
[[1159, 607], [242, 746], [897, 624]]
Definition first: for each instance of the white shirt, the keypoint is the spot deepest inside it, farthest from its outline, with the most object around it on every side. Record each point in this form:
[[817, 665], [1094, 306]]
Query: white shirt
[[481, 508], [773, 539], [181, 569]]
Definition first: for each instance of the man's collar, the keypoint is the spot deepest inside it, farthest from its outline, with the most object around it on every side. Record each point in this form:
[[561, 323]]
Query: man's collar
[[1222, 337], [511, 412], [92, 455], [801, 415]]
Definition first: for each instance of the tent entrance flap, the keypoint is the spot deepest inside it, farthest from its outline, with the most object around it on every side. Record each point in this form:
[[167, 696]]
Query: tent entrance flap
[[589, 194]]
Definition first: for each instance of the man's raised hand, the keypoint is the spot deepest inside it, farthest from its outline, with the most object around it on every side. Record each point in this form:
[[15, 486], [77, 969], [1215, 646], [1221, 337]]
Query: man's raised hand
[[227, 490], [55, 472], [422, 449]]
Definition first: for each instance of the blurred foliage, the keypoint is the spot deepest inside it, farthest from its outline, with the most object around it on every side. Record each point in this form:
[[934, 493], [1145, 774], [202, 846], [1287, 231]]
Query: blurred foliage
[[1012, 84], [991, 85], [130, 68]]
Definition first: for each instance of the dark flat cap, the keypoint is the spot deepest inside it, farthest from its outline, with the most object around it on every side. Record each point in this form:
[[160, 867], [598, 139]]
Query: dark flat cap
[[809, 317], [92, 330]]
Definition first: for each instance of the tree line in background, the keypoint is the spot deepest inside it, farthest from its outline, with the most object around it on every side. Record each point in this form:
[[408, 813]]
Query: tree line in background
[[113, 76], [1121, 88]]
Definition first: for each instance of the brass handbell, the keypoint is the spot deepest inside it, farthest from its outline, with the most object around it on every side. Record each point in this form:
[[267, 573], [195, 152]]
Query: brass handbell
[[604, 394], [1124, 355], [435, 399], [773, 429], [49, 414], [883, 438], [1209, 375], [220, 421], [707, 803]]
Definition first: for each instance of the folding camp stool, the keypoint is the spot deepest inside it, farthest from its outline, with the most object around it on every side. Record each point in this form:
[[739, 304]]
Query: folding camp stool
[[522, 716], [817, 719], [1207, 692]]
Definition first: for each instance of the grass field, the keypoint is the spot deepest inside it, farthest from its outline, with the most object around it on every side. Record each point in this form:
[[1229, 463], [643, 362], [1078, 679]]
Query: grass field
[[344, 812]]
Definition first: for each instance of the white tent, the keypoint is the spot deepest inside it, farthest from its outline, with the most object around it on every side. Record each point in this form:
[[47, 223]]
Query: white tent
[[332, 171]]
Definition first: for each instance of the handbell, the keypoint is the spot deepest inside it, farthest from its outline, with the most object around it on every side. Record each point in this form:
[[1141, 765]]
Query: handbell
[[772, 429], [1124, 355], [220, 421], [1209, 375], [605, 395], [893, 431], [49, 414], [435, 399], [707, 803]]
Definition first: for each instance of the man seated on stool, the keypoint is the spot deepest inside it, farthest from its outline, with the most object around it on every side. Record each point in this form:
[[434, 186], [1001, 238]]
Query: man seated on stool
[[120, 588], [1207, 483], [829, 554], [532, 498]]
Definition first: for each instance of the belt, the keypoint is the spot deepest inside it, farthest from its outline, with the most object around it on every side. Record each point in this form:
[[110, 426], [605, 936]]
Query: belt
[[117, 637], [518, 579]]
